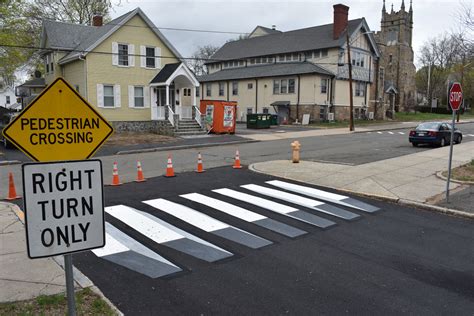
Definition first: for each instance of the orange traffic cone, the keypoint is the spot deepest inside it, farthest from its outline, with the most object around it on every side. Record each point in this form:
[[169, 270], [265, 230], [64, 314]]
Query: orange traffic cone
[[11, 188], [140, 177], [200, 168], [115, 176], [169, 168], [237, 160]]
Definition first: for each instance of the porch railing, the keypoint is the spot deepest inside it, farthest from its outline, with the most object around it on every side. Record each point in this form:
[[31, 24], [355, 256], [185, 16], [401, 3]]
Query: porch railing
[[197, 115], [170, 115]]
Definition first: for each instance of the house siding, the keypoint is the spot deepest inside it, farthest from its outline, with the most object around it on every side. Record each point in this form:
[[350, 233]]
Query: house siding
[[101, 71], [74, 73]]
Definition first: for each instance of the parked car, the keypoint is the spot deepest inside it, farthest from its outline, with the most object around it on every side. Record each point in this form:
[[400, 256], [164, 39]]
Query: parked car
[[4, 121], [434, 133]]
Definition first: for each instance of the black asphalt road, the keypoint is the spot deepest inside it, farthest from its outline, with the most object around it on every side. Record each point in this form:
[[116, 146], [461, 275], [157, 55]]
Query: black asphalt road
[[398, 260], [358, 148]]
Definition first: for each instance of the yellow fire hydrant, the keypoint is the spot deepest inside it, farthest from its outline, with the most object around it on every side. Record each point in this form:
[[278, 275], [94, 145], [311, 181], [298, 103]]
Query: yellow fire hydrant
[[296, 151]]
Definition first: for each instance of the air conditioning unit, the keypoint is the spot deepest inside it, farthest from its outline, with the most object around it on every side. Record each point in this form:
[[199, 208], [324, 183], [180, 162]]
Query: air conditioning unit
[[330, 117], [371, 115]]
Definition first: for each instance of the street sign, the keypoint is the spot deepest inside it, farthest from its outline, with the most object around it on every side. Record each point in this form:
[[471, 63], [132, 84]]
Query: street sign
[[455, 96], [64, 207], [58, 125]]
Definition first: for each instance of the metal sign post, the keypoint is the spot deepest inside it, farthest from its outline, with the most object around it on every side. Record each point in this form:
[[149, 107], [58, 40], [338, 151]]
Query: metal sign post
[[71, 301], [455, 99], [450, 156]]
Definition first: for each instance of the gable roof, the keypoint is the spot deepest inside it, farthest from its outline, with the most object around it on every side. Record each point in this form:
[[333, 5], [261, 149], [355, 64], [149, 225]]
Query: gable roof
[[165, 73], [270, 70], [83, 38], [317, 37], [265, 29]]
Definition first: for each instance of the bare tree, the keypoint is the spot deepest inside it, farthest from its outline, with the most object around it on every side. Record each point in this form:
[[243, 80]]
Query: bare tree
[[197, 61], [75, 11]]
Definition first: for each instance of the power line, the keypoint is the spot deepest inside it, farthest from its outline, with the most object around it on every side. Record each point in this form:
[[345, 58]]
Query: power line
[[139, 55]]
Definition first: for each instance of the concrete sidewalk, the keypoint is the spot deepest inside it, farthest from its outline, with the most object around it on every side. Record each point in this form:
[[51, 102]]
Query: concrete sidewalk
[[22, 278], [288, 133], [410, 178]]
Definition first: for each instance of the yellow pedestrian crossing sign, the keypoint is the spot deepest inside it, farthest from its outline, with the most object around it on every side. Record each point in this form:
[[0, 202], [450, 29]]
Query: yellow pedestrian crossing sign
[[58, 125]]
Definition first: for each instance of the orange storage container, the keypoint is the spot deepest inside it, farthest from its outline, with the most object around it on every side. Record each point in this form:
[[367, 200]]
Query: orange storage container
[[220, 116]]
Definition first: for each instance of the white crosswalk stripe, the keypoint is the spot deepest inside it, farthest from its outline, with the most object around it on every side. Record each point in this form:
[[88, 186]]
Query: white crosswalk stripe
[[299, 200], [391, 133], [245, 214], [472, 135], [379, 133], [209, 224], [123, 250], [401, 133]]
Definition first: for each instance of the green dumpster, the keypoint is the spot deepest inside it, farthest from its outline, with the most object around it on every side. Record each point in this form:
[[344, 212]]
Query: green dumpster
[[274, 119], [258, 120]]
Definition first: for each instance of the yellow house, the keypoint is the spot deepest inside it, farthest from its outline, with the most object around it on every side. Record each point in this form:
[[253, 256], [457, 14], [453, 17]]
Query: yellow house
[[118, 66], [298, 72]]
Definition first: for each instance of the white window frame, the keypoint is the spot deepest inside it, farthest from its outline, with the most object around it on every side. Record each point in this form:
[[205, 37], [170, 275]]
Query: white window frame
[[235, 88], [132, 97], [109, 96], [221, 89], [324, 86], [124, 57], [281, 86], [101, 96], [359, 89]]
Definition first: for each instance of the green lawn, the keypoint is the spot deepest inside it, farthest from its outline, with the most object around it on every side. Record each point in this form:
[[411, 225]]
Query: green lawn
[[407, 117], [87, 303]]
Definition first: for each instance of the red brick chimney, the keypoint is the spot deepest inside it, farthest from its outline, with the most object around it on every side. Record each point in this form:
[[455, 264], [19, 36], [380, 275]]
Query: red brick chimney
[[341, 13], [97, 20]]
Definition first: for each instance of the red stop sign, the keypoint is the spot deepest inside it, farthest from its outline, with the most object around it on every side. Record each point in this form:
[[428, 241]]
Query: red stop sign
[[455, 96]]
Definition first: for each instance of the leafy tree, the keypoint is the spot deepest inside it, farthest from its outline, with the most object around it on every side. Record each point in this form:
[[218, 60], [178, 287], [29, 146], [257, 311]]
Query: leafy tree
[[199, 57], [20, 26]]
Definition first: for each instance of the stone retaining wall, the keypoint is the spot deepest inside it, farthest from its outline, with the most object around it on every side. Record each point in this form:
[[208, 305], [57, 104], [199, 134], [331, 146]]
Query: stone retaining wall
[[157, 127]]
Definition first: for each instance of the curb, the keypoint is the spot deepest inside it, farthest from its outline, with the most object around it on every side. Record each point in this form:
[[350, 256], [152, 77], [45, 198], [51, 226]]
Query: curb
[[439, 174], [400, 201], [145, 150], [405, 127], [9, 162], [82, 280]]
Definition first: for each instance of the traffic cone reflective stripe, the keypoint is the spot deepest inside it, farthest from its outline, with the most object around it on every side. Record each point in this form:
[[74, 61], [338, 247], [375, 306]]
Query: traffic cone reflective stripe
[[140, 177], [115, 176], [200, 168], [11, 188], [169, 169], [237, 160]]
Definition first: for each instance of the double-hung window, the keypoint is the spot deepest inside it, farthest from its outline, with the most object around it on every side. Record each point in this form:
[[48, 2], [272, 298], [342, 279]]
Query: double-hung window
[[324, 86], [139, 97], [208, 89], [221, 89], [7, 99], [109, 96], [150, 57], [291, 85], [284, 86], [360, 89], [123, 54], [276, 86], [235, 87]]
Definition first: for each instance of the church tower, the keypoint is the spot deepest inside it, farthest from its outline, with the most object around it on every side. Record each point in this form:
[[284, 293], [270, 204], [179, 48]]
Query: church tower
[[397, 69]]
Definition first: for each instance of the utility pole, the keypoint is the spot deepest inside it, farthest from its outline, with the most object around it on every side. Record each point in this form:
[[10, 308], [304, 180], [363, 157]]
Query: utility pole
[[428, 92], [351, 101]]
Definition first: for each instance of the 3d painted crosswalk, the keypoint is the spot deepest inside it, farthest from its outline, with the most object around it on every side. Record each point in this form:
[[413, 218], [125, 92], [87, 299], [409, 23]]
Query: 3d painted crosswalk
[[299, 200], [245, 215], [166, 234], [125, 251], [324, 196], [209, 224], [278, 208]]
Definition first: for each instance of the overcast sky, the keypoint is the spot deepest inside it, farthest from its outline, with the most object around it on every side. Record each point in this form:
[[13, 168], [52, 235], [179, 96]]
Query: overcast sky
[[431, 17]]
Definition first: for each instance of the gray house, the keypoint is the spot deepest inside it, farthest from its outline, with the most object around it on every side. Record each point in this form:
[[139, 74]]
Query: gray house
[[298, 72]]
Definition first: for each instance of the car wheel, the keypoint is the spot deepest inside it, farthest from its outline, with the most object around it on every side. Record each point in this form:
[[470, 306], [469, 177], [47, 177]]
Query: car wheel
[[415, 144], [458, 140], [442, 143]]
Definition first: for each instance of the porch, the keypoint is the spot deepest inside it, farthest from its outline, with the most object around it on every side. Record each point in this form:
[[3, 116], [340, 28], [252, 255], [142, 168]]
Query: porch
[[173, 96]]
